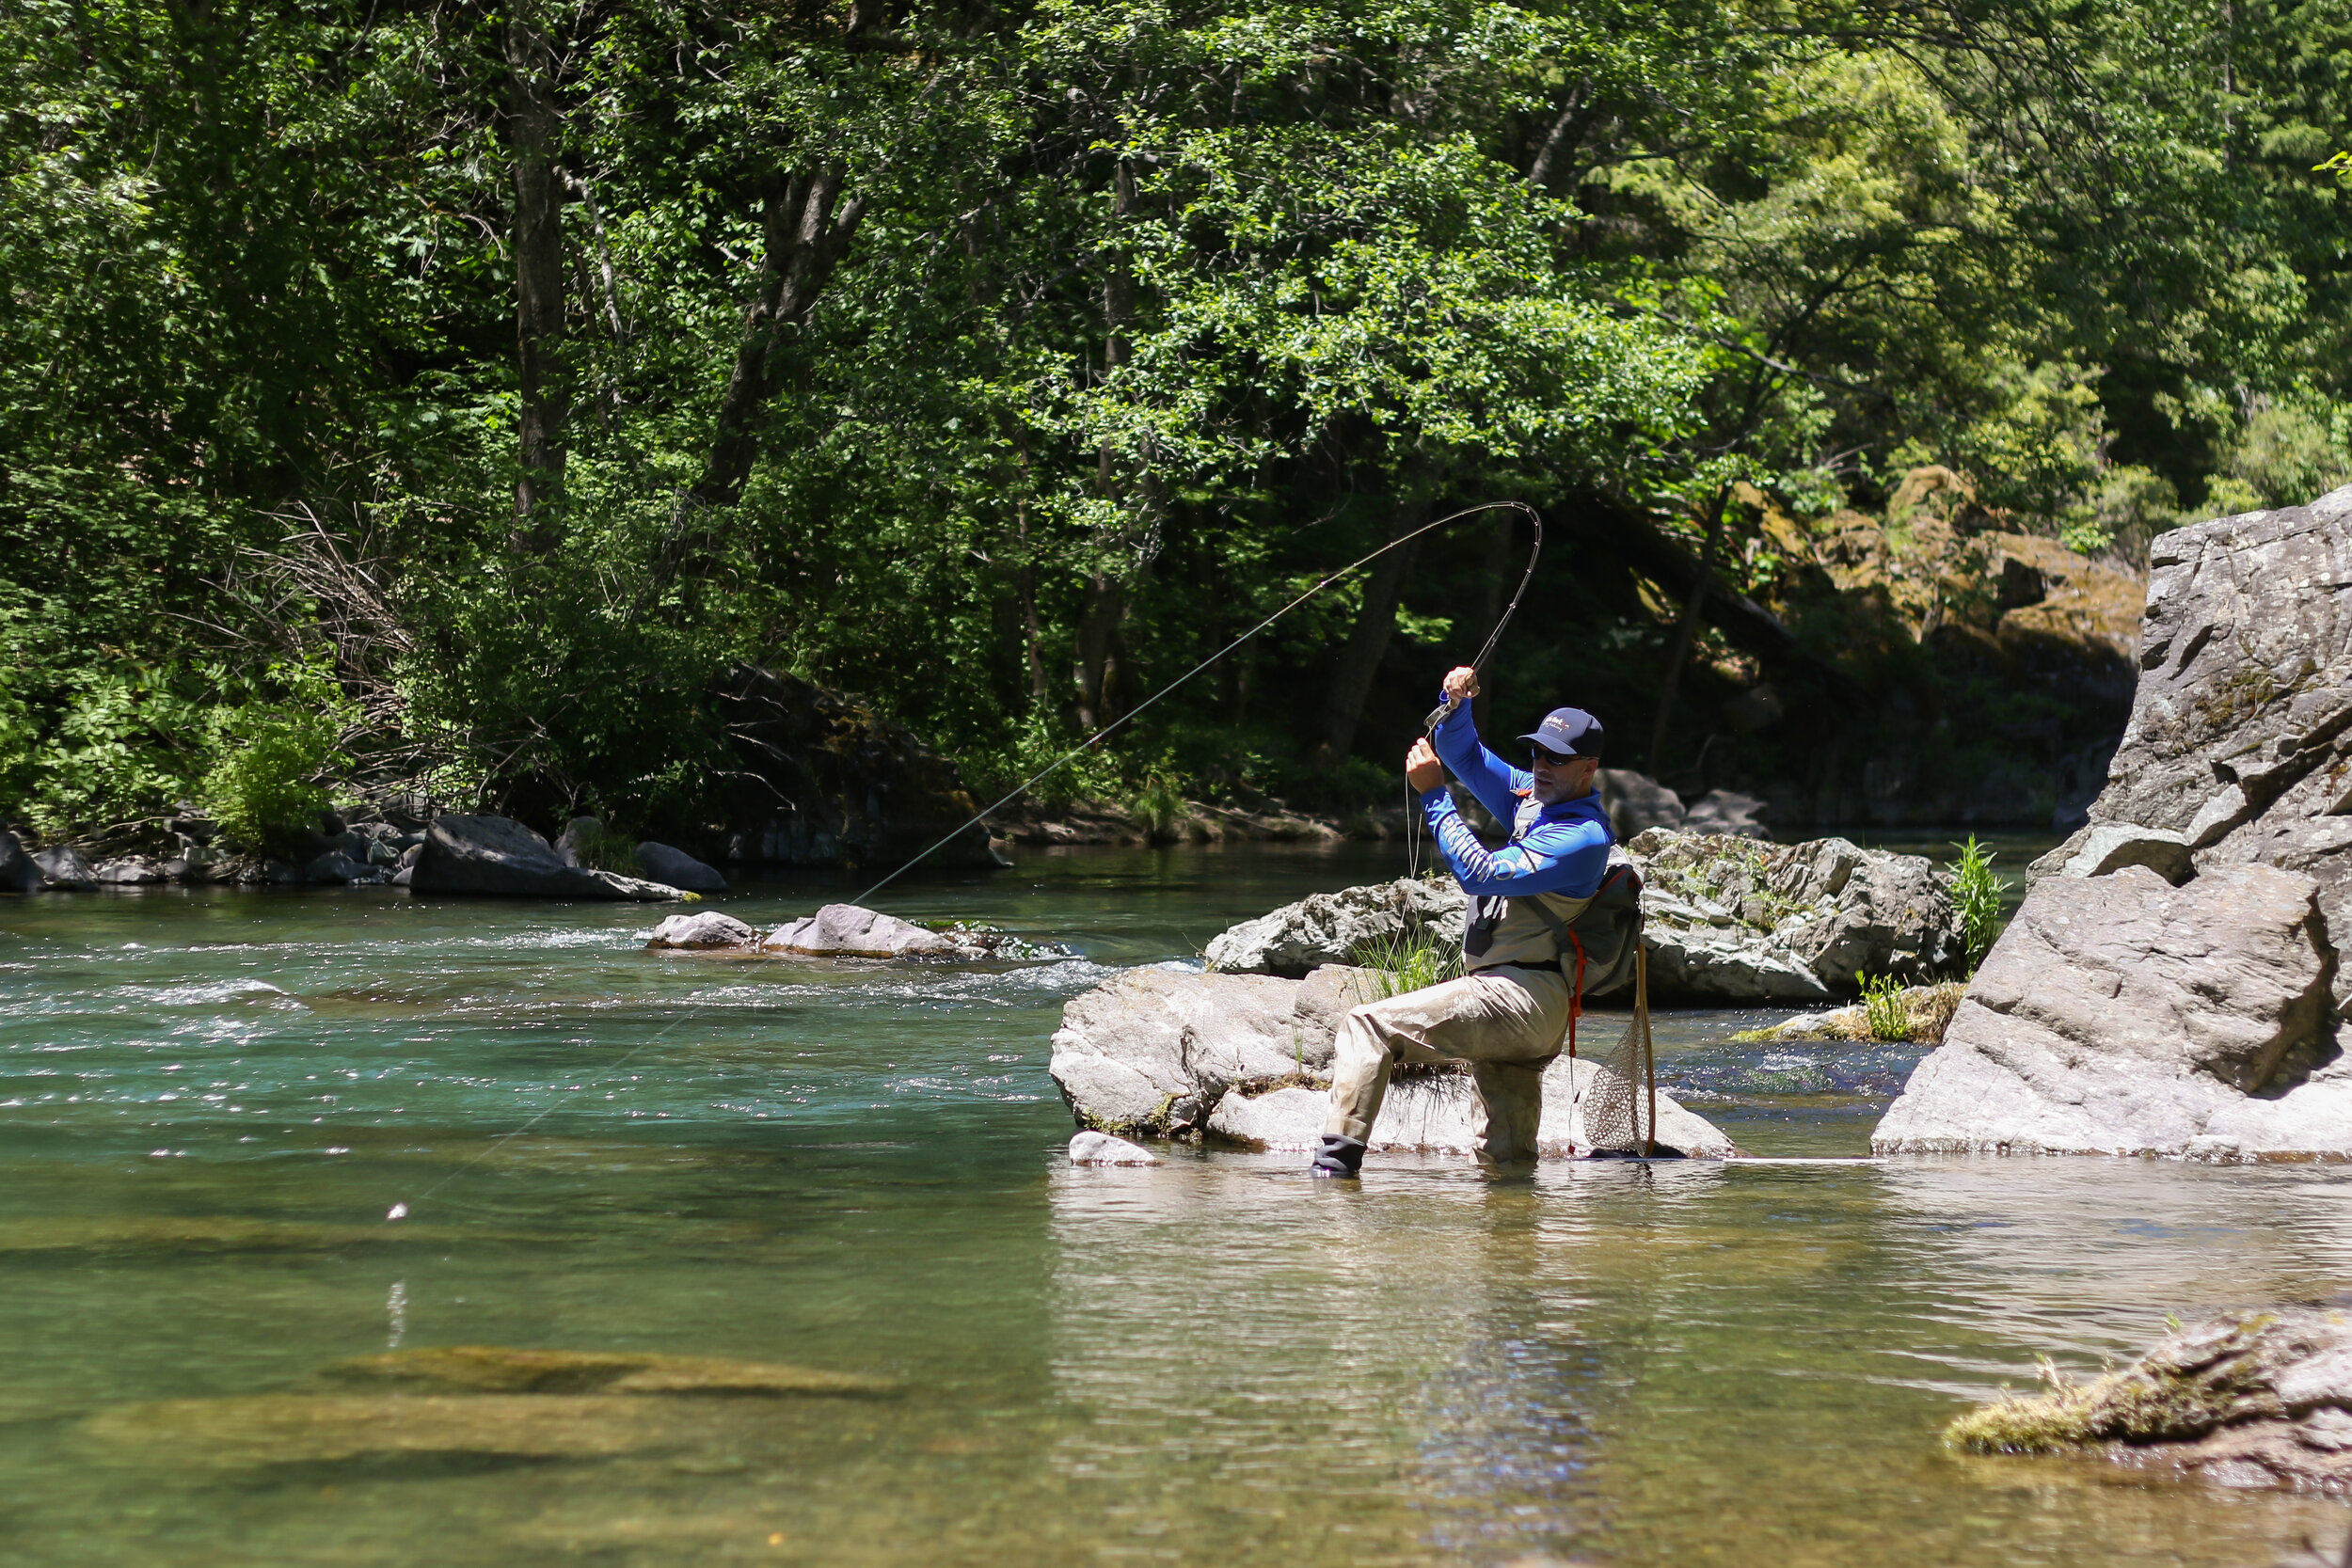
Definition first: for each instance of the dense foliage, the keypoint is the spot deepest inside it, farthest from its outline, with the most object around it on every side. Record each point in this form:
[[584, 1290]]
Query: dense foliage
[[444, 395]]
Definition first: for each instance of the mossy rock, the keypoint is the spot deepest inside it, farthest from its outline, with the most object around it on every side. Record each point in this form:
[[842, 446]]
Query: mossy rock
[[2245, 1396], [505, 1369]]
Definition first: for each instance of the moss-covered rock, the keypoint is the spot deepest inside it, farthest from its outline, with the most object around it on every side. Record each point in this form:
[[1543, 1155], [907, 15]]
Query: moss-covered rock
[[2248, 1397]]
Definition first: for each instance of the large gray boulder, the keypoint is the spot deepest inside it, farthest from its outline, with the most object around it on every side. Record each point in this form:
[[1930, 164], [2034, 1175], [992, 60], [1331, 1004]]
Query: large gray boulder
[[2241, 731], [1435, 1113], [1728, 919], [1247, 1059], [1333, 927], [18, 872], [338, 869], [496, 856], [131, 871], [1737, 919], [1728, 812], [704, 928], [678, 869], [852, 931], [1153, 1049], [2120, 1015], [64, 870], [2232, 778], [1100, 1148], [1635, 801]]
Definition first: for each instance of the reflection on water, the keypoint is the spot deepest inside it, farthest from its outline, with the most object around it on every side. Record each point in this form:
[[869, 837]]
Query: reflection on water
[[209, 1102]]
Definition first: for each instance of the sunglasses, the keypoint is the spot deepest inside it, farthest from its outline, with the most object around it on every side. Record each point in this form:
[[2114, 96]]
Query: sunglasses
[[1537, 754]]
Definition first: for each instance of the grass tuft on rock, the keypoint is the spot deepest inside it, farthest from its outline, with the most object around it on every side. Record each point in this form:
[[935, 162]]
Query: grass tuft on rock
[[1916, 1015], [2193, 1382], [1408, 962]]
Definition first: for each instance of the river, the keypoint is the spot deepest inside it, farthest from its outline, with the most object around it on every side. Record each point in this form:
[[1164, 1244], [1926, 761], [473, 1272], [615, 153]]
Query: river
[[211, 1100]]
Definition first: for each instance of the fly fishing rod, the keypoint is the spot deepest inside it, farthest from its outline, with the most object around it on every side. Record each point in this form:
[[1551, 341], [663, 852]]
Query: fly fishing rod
[[401, 1210], [1534, 553]]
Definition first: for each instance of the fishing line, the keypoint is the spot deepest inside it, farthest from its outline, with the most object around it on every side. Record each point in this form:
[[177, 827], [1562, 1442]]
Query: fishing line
[[1534, 518], [401, 1210]]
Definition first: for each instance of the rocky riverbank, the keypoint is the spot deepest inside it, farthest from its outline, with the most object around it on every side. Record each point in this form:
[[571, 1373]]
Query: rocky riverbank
[[1725, 918], [2173, 983]]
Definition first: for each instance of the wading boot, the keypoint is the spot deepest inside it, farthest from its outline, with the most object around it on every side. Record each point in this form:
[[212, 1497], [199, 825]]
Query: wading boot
[[1339, 1156]]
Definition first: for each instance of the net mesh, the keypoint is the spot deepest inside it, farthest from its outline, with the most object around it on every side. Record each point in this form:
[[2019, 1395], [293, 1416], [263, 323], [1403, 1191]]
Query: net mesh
[[1615, 1091]]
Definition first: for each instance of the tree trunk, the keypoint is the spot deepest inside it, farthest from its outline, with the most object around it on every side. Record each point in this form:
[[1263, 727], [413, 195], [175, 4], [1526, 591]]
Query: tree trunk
[[805, 229], [1376, 623], [542, 371], [1105, 601], [1686, 631], [1098, 630], [1039, 687]]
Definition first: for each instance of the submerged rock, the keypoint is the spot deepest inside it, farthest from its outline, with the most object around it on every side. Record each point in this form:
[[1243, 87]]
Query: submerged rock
[[1248, 1058], [330, 1429], [1101, 1149], [199, 1233], [2247, 1399], [2120, 1015], [1727, 918], [485, 1403], [508, 1370], [498, 855], [703, 928]]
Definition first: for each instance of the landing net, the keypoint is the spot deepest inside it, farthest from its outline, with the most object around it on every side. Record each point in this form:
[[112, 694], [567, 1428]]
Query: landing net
[[1618, 1091]]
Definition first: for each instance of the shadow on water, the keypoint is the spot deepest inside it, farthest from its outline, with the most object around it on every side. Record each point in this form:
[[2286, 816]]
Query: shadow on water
[[208, 1104]]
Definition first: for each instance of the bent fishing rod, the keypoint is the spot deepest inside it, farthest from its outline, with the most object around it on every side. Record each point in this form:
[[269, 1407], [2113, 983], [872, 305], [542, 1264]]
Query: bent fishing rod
[[1534, 553], [402, 1209]]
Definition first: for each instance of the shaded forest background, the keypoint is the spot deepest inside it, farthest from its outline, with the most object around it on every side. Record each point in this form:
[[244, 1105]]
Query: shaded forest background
[[444, 398]]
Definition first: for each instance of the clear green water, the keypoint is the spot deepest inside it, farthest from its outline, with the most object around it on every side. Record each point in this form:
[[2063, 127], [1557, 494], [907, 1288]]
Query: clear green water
[[208, 1102]]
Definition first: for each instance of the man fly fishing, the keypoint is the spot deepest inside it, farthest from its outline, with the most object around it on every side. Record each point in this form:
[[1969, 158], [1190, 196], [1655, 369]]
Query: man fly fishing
[[1507, 1015]]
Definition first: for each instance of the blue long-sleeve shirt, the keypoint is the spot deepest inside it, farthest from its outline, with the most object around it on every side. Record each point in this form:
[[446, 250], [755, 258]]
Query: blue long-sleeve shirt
[[1562, 848]]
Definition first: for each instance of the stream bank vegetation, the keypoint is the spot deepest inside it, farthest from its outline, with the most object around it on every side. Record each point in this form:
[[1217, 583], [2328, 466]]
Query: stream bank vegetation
[[442, 400]]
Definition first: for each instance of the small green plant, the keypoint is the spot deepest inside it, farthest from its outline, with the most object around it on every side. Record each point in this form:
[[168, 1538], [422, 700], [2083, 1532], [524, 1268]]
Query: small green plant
[[1882, 1009], [1977, 897], [274, 756], [1158, 806], [1408, 962]]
